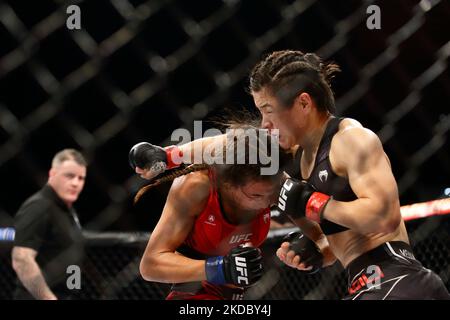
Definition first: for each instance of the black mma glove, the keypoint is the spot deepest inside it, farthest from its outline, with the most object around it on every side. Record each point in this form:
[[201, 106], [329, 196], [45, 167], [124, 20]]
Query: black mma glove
[[306, 249], [154, 158], [300, 199], [242, 266]]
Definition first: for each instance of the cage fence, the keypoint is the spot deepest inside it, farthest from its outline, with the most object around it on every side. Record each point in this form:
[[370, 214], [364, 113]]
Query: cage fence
[[137, 70]]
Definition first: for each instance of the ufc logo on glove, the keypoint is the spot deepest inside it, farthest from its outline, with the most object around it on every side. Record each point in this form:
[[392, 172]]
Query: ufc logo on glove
[[241, 268], [287, 186]]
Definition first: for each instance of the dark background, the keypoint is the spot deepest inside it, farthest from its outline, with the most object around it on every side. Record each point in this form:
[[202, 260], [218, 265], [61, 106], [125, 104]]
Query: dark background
[[137, 70]]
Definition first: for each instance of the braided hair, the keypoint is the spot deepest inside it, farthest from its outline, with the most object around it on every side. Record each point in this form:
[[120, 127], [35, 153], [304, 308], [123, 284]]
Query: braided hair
[[170, 176], [287, 73]]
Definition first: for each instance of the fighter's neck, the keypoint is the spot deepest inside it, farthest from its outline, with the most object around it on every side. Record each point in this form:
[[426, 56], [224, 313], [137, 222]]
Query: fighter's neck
[[311, 139]]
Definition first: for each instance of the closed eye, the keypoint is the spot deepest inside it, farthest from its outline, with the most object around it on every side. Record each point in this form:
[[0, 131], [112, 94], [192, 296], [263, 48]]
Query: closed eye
[[253, 195]]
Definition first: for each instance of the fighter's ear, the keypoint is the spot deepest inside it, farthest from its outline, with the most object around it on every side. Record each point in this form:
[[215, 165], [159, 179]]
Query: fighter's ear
[[305, 100]]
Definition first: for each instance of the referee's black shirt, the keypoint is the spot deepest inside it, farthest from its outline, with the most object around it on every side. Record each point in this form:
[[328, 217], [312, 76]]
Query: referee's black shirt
[[45, 223]]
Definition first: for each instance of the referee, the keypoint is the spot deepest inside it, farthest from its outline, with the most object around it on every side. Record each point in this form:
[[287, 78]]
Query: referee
[[48, 233]]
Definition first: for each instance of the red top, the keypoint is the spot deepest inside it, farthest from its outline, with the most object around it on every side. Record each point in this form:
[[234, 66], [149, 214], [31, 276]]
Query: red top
[[212, 235]]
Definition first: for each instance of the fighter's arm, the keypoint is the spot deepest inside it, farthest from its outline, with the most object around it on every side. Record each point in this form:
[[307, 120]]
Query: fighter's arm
[[160, 262], [358, 153], [149, 160], [157, 159], [194, 150]]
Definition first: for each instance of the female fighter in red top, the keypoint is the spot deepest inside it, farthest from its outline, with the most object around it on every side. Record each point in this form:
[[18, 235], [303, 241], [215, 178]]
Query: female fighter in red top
[[209, 216]]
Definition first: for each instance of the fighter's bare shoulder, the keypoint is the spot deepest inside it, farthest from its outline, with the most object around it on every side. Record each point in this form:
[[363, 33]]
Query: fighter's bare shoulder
[[352, 142], [351, 131], [192, 188]]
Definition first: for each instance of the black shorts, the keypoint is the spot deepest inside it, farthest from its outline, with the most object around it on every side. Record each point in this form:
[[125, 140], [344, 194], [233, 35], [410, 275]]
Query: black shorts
[[390, 272]]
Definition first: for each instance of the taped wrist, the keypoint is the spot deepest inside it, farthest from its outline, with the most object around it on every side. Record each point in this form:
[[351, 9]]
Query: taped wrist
[[214, 270], [315, 206], [174, 156]]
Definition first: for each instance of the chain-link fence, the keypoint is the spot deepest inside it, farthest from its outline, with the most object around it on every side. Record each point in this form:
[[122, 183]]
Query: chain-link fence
[[111, 269], [137, 70]]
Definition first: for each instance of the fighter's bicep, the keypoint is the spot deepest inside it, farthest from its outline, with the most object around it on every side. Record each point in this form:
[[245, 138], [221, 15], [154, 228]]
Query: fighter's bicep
[[357, 154], [369, 172]]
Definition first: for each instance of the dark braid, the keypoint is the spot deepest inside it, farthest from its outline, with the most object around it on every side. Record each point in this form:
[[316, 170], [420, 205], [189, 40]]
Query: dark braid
[[287, 73], [169, 176], [285, 58]]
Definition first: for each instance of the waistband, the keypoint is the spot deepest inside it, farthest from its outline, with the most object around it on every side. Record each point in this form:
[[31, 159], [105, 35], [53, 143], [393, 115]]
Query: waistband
[[392, 250]]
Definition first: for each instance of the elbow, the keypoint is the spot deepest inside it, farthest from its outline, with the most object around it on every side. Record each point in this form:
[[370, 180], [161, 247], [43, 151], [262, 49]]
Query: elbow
[[17, 262], [145, 269], [16, 265], [20, 266], [391, 219], [384, 216], [23, 262], [391, 223], [149, 270]]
